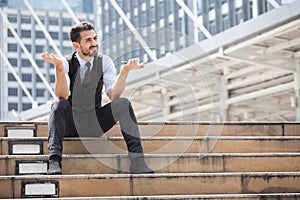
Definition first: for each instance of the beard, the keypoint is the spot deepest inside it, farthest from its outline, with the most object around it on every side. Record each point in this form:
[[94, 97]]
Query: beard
[[87, 52]]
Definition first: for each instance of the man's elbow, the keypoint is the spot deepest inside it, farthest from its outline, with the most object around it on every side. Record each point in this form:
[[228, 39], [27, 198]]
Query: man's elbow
[[65, 97], [111, 95], [62, 95]]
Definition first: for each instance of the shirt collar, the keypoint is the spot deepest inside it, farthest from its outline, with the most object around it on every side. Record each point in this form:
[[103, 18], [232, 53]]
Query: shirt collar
[[83, 62]]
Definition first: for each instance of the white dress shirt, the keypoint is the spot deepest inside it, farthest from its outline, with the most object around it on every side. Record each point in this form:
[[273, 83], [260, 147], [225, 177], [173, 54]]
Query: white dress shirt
[[109, 70]]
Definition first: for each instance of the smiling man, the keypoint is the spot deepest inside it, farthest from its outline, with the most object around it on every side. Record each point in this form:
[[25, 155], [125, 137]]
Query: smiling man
[[78, 112]]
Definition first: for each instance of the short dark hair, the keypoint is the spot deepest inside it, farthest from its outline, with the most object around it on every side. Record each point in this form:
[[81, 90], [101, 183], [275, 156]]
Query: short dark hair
[[75, 31]]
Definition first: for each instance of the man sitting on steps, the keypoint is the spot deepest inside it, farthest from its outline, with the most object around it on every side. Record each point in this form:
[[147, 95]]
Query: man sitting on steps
[[78, 111]]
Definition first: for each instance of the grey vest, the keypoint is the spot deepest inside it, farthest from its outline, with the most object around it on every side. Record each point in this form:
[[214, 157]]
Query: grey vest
[[85, 98]]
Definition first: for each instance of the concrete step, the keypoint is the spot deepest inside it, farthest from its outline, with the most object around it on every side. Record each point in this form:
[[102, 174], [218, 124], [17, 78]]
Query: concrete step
[[156, 145], [161, 163], [289, 196], [191, 160], [149, 184], [183, 129]]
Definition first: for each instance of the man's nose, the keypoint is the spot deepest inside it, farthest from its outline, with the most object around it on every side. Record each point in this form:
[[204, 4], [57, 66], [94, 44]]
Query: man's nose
[[94, 42]]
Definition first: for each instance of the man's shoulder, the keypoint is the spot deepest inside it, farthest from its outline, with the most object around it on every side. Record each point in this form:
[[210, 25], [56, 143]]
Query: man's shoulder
[[105, 57], [70, 56], [107, 60]]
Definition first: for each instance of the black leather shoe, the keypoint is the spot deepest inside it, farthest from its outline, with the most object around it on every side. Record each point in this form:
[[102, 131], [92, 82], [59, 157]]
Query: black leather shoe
[[139, 166], [54, 167]]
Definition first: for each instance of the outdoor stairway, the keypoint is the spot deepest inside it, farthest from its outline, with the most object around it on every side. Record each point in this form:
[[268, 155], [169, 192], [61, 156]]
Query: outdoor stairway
[[191, 161]]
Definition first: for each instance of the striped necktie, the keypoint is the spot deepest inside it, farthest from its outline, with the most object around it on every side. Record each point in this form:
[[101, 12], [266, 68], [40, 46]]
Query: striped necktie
[[88, 75]]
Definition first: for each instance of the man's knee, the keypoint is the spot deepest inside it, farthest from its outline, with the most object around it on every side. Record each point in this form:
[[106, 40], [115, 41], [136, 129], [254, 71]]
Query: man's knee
[[121, 106], [121, 102], [121, 109]]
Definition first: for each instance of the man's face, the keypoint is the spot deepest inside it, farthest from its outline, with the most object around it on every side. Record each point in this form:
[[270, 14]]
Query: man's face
[[88, 45]]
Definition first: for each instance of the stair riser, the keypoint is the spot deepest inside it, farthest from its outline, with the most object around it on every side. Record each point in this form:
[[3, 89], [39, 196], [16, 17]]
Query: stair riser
[[189, 129], [41, 128], [285, 196], [113, 165], [160, 185], [289, 196], [157, 146]]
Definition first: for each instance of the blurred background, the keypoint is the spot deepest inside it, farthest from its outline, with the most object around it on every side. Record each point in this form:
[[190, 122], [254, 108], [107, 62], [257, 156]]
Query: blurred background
[[209, 60]]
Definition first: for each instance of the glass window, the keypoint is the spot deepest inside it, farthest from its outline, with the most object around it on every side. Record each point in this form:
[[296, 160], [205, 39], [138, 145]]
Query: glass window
[[10, 77], [28, 47], [13, 61], [65, 36], [171, 18], [12, 106], [12, 18], [67, 50], [12, 47], [40, 92], [25, 33], [50, 49], [26, 106], [38, 79], [54, 35], [9, 33], [52, 78], [67, 22], [211, 4], [53, 21], [120, 21], [40, 63], [213, 27], [26, 77], [113, 24], [12, 91], [135, 11], [180, 13], [161, 22], [239, 16], [23, 93], [226, 24], [26, 20], [39, 48], [26, 63], [39, 34], [152, 3], [106, 29]]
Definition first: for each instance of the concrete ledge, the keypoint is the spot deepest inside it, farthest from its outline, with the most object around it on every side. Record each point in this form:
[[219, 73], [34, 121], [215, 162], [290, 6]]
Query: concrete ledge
[[178, 144], [164, 163], [192, 197], [189, 128], [161, 184]]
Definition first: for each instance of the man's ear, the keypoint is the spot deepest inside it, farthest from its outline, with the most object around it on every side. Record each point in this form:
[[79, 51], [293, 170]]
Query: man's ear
[[75, 45]]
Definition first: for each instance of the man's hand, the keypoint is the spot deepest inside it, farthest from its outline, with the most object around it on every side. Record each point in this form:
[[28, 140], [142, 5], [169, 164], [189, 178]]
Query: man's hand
[[119, 86], [51, 58], [132, 64], [61, 87]]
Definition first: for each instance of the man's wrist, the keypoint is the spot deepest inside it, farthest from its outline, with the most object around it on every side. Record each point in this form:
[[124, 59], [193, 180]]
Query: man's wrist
[[124, 71]]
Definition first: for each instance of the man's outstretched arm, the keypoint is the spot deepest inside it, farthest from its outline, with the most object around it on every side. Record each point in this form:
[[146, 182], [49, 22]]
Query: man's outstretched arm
[[119, 86], [61, 86]]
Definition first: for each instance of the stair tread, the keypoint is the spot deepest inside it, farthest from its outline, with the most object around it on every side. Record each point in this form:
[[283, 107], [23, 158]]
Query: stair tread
[[155, 175], [189, 128], [156, 145], [178, 155], [199, 196], [162, 163], [162, 138]]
